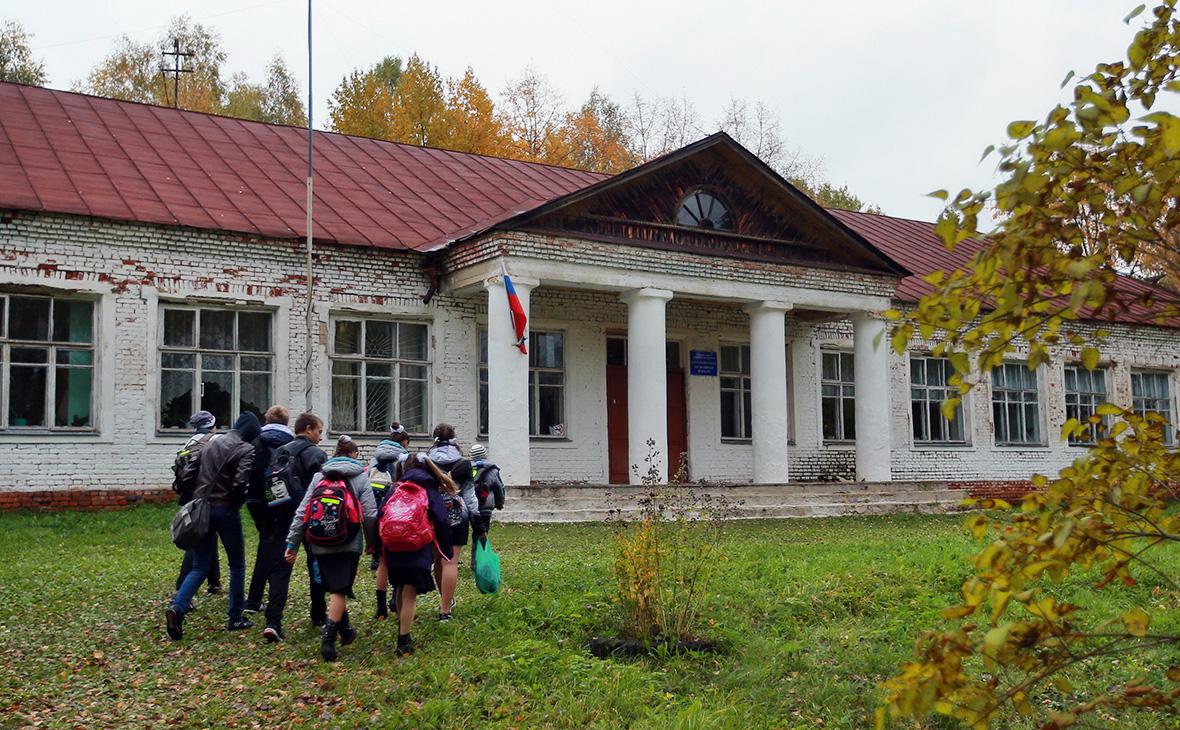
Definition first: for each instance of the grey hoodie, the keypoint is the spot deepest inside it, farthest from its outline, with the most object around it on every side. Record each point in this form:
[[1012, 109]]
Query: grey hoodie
[[388, 452], [445, 455], [354, 474]]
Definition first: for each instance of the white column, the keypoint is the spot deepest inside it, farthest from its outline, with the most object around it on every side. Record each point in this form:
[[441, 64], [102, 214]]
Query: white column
[[508, 384], [871, 362], [768, 391], [647, 381]]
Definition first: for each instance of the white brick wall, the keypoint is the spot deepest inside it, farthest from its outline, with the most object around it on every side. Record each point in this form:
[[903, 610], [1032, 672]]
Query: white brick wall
[[131, 268]]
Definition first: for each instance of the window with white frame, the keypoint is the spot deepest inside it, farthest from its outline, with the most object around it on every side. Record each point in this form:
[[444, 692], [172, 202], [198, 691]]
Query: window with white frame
[[1085, 390], [546, 384], [929, 388], [838, 396], [1016, 407], [1151, 392], [735, 392], [46, 363], [217, 359], [380, 374]]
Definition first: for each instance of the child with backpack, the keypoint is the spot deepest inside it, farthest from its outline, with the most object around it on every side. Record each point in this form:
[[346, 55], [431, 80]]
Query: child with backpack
[[461, 508], [184, 483], [383, 476], [414, 529], [336, 518], [489, 490]]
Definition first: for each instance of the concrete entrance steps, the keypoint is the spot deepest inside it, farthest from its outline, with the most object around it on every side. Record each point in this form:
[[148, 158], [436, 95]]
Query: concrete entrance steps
[[592, 503]]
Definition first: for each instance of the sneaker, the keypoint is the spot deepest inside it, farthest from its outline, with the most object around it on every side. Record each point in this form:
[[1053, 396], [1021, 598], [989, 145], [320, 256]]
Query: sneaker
[[444, 617], [174, 621], [238, 624], [254, 608], [213, 590], [273, 633]]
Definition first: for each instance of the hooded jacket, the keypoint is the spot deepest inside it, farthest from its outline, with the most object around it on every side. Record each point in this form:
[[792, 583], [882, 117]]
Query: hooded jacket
[[423, 558], [272, 436], [224, 472], [447, 456], [354, 474], [387, 455]]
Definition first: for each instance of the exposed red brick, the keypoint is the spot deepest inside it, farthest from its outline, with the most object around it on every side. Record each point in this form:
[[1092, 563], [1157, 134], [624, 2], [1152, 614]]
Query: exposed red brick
[[82, 500]]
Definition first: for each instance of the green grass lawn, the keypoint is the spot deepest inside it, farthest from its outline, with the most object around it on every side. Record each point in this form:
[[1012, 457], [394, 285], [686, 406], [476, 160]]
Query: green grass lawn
[[812, 615]]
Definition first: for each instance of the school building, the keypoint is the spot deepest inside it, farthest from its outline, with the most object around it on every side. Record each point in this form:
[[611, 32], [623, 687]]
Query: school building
[[152, 263]]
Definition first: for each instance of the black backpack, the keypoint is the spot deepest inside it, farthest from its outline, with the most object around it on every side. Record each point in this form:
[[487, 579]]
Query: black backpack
[[190, 452], [484, 478], [282, 483]]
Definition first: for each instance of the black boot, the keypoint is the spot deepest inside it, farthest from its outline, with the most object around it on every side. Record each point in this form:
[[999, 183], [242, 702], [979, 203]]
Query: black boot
[[347, 633], [405, 645], [382, 610], [328, 642]]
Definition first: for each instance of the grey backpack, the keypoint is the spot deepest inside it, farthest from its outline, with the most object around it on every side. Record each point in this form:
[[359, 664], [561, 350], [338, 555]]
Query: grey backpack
[[191, 523]]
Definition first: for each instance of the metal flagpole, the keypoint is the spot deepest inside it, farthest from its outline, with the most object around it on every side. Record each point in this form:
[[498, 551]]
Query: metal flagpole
[[310, 345]]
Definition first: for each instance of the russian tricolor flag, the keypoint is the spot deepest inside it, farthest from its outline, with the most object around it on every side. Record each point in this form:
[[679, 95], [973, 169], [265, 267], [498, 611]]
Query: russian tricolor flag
[[519, 319]]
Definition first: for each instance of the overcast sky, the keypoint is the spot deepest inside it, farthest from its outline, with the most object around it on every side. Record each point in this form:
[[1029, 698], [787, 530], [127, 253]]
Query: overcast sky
[[898, 98]]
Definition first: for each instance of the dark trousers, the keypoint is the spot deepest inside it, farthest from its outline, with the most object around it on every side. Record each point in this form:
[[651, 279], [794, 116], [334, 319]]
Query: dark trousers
[[224, 522], [186, 565], [319, 595], [272, 542]]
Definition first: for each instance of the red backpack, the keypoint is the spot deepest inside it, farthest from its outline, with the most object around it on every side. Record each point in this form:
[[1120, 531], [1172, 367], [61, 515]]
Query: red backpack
[[333, 516], [404, 524]]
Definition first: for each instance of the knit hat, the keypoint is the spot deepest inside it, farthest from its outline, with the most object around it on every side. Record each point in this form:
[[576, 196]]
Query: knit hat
[[202, 419], [478, 451]]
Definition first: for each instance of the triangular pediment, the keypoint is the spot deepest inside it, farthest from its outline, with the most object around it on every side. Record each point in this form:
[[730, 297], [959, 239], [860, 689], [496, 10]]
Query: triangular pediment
[[769, 219]]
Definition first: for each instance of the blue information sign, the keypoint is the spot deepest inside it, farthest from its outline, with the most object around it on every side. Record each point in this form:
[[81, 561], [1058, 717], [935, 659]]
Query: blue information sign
[[702, 362]]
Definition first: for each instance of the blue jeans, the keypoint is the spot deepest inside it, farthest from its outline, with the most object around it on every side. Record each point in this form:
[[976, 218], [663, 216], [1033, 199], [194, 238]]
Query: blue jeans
[[224, 523]]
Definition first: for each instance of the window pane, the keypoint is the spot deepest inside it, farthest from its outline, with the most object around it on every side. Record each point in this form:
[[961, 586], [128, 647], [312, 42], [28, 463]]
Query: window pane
[[551, 415], [72, 409], [378, 339], [30, 355], [849, 406], [379, 369], [547, 348], [255, 393], [178, 327], [917, 371], [378, 397], [255, 363], [831, 366], [417, 372], [545, 378], [745, 350], [747, 413], [345, 404], [729, 414], [177, 360], [346, 367], [672, 355], [483, 347], [75, 357], [176, 398], [847, 368], [616, 351], [730, 359], [347, 340], [28, 318], [3, 316], [483, 401], [217, 395], [26, 395], [254, 331], [411, 341], [217, 362], [217, 329], [412, 405], [829, 412], [73, 321]]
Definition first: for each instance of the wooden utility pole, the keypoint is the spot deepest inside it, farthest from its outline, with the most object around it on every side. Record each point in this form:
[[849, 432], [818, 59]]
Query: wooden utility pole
[[176, 70]]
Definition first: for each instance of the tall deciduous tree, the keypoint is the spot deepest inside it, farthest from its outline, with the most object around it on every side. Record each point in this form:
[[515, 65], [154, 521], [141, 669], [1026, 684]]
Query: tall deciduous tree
[[277, 101], [418, 107], [533, 113], [362, 104], [1111, 157], [595, 137], [16, 58], [469, 120]]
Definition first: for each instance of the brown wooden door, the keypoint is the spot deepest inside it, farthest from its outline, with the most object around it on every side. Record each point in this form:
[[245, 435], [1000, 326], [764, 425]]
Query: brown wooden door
[[677, 420], [616, 422]]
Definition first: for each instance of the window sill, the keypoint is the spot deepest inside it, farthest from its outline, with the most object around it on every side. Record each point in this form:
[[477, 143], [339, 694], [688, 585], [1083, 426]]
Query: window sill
[[1022, 447], [550, 440], [941, 446], [839, 445], [737, 441], [32, 436]]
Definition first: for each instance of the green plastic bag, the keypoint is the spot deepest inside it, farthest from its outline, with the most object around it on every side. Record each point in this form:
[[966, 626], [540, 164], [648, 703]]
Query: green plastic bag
[[487, 567]]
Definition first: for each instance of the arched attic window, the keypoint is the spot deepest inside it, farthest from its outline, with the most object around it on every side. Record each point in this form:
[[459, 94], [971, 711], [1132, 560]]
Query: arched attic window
[[704, 209]]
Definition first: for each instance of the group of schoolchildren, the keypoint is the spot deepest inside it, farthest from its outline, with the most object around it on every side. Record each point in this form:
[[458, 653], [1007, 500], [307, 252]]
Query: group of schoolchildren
[[410, 511]]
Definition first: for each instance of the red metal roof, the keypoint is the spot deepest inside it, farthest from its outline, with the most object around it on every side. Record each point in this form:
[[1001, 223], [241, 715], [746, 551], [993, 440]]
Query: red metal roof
[[71, 153], [64, 152]]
